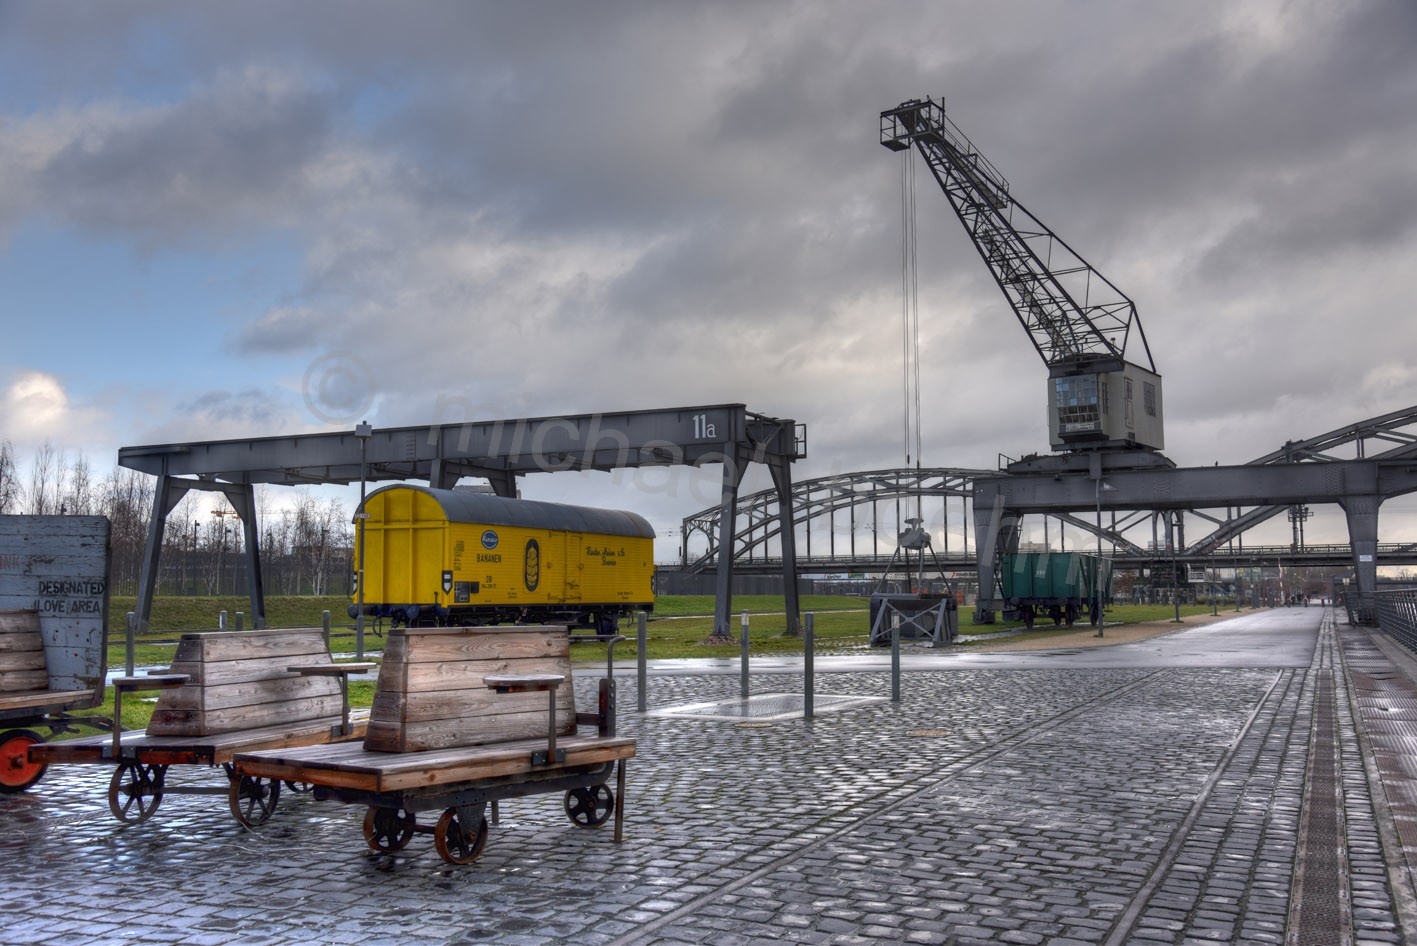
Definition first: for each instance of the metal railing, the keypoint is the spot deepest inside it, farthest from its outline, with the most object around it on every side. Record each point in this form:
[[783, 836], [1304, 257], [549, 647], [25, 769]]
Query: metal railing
[[1394, 611]]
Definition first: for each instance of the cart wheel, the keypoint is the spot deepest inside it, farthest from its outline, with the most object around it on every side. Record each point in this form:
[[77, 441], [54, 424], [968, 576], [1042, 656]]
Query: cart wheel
[[253, 799], [388, 829], [452, 841], [590, 807], [299, 788], [135, 791], [17, 772]]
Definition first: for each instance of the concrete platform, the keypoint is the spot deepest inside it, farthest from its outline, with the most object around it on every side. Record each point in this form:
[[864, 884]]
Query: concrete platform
[[1241, 782]]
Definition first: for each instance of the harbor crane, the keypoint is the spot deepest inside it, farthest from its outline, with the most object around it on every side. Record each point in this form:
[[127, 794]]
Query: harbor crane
[[1078, 321]]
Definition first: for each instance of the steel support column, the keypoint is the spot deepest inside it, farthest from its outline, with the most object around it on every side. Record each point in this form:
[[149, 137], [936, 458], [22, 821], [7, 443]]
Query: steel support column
[[996, 532], [781, 472], [734, 466], [1362, 515], [243, 500], [167, 493]]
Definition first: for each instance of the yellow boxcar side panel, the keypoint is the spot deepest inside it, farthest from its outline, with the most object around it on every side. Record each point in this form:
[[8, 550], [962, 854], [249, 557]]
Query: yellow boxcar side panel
[[405, 550], [518, 566]]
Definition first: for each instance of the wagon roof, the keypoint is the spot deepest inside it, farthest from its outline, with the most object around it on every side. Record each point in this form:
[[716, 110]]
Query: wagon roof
[[487, 509]]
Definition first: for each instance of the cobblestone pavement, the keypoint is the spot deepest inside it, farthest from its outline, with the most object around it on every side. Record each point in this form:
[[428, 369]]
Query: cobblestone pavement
[[1066, 804]]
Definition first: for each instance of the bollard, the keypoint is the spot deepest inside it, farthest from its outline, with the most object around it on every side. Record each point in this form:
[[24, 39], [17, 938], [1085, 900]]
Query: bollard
[[325, 626], [895, 662], [809, 643], [132, 643], [642, 639], [240, 621], [221, 620], [743, 670]]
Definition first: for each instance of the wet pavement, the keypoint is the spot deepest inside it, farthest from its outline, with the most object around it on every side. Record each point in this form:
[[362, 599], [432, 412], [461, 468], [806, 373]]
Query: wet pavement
[[1212, 785]]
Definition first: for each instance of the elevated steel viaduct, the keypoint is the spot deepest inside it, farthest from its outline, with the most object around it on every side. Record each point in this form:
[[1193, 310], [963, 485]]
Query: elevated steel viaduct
[[1356, 467]]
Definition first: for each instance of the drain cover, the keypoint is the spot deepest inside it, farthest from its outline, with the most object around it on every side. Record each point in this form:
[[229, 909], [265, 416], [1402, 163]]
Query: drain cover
[[765, 706]]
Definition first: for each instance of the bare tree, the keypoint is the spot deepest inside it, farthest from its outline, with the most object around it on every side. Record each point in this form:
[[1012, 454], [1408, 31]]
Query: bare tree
[[11, 492], [126, 499], [44, 481], [79, 497]]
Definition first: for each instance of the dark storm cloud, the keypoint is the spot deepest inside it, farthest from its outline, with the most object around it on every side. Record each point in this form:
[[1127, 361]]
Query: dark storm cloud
[[564, 207], [224, 158]]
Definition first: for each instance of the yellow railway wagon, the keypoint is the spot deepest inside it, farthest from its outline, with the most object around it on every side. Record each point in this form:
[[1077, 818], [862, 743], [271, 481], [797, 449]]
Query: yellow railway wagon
[[440, 557]]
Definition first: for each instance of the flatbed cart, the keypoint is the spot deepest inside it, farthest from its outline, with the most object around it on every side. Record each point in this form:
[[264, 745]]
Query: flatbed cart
[[396, 787], [53, 635], [286, 679], [407, 765], [30, 711]]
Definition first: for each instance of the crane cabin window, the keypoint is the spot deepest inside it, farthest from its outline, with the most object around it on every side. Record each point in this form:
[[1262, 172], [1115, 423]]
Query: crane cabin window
[[1077, 403]]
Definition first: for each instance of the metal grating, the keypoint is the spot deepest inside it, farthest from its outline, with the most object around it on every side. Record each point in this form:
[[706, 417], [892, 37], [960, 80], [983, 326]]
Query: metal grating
[[1319, 912], [766, 707]]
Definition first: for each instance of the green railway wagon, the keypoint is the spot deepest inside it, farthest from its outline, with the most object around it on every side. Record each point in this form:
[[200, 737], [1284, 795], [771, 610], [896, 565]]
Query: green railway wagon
[[1061, 585]]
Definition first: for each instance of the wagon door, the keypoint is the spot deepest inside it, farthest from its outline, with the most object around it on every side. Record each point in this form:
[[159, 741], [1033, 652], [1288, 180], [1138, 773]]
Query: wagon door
[[575, 567]]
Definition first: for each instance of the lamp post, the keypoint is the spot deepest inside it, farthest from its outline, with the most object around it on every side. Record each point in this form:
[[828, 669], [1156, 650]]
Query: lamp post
[[221, 515], [363, 431]]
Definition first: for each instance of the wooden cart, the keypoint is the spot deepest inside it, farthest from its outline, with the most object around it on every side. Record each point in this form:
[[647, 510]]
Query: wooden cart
[[226, 692], [53, 634], [464, 717]]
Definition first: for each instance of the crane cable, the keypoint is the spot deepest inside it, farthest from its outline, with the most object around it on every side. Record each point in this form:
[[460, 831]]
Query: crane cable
[[910, 313]]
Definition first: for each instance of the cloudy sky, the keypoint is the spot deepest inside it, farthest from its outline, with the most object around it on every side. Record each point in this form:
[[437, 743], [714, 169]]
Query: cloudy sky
[[228, 220]]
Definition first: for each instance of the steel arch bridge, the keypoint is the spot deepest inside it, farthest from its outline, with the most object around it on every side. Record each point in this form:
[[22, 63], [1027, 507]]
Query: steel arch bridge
[[840, 522]]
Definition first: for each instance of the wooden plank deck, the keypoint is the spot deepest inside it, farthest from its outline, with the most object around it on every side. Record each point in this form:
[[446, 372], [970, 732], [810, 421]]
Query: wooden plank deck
[[212, 750], [349, 765]]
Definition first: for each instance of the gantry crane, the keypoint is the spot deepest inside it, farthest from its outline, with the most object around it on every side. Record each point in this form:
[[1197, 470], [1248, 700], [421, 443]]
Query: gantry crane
[[1078, 321]]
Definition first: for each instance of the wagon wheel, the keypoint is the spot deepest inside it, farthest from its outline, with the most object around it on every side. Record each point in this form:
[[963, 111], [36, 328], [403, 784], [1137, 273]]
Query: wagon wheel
[[299, 788], [17, 772], [253, 799], [590, 807], [452, 841], [135, 791], [388, 829]]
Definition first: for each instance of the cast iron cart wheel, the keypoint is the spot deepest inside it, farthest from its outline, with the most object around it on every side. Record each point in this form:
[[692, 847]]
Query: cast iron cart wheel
[[253, 799], [299, 788], [135, 791], [590, 807], [17, 772], [388, 830], [452, 842]]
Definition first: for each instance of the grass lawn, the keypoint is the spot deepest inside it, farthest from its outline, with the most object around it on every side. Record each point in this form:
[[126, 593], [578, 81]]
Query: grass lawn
[[676, 629]]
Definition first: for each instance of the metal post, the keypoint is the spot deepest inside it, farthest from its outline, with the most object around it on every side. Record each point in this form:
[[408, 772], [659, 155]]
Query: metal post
[[1174, 534], [1214, 597], [640, 636], [221, 620], [132, 643], [895, 661], [325, 627], [240, 620], [1097, 566], [743, 670], [363, 431], [809, 643]]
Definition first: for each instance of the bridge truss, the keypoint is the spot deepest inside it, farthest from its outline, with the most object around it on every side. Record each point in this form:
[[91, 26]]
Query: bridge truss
[[849, 521]]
